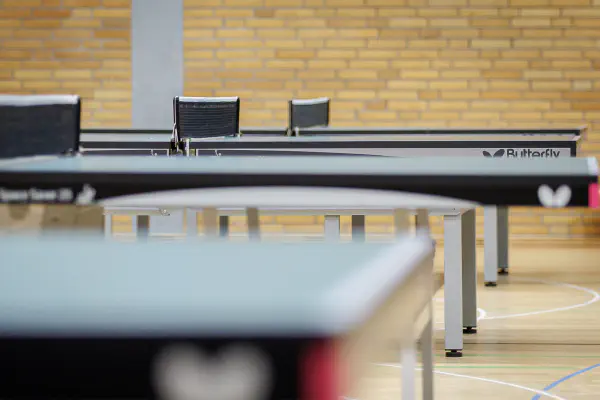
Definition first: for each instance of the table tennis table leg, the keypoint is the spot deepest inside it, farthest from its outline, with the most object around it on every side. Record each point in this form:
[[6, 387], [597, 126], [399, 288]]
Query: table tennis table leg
[[422, 222], [426, 344], [453, 281], [358, 228], [191, 222], [469, 272], [143, 226], [134, 225], [107, 225], [491, 236], [253, 223], [422, 226], [332, 227], [210, 219], [409, 365], [503, 240], [401, 222], [224, 226]]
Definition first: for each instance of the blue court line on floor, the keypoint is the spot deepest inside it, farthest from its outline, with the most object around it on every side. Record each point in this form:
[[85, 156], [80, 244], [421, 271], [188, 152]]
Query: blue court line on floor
[[565, 378]]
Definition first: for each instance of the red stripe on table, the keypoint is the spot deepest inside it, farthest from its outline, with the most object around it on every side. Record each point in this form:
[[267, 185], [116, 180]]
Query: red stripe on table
[[319, 373], [594, 195]]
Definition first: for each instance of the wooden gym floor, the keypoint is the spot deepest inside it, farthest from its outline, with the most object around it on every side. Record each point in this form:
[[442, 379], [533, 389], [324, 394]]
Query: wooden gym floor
[[539, 331]]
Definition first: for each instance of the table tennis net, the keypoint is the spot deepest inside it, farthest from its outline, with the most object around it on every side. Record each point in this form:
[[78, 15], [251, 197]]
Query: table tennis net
[[39, 125], [201, 117]]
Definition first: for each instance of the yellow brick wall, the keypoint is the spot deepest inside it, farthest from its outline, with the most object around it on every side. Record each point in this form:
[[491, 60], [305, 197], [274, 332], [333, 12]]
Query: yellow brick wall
[[434, 63], [459, 63], [70, 46]]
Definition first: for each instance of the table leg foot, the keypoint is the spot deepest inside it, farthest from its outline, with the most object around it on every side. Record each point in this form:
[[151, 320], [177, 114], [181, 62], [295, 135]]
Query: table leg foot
[[503, 271], [469, 330], [491, 284], [454, 353]]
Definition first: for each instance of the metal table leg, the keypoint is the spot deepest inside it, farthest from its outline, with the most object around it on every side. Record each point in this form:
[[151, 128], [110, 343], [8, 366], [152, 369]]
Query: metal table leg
[[453, 281], [107, 225], [491, 245], [191, 222], [143, 226], [409, 366], [358, 228], [210, 218], [332, 227], [426, 343], [469, 272], [253, 223], [224, 226], [503, 240]]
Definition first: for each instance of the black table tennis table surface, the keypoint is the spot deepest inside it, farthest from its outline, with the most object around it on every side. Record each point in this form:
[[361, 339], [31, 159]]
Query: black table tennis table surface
[[493, 181]]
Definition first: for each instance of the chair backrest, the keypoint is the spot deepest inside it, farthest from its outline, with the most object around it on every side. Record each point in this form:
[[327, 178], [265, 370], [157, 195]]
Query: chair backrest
[[202, 117], [32, 125], [309, 113]]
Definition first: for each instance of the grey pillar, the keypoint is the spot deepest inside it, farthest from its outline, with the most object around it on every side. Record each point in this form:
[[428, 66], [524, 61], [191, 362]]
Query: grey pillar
[[157, 76], [156, 61]]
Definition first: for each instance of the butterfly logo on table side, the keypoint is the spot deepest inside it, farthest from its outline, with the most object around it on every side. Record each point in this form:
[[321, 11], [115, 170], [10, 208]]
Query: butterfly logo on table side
[[86, 196], [497, 154], [184, 372], [554, 199]]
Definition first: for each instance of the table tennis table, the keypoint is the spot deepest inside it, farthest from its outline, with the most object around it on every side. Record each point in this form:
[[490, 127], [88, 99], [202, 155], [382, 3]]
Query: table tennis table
[[87, 318], [402, 142], [214, 182], [390, 142]]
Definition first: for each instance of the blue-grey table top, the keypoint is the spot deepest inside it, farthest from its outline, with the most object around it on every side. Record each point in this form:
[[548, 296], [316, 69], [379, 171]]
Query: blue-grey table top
[[309, 165], [69, 284]]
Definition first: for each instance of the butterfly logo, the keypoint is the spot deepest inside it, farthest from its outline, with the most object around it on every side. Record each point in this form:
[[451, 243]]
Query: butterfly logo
[[86, 196], [551, 199], [497, 154], [184, 372]]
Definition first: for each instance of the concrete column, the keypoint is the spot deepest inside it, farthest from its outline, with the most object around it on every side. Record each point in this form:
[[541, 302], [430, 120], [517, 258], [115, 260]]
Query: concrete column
[[157, 76]]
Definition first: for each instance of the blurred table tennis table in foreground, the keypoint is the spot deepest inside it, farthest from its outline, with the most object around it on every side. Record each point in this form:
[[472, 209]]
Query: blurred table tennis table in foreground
[[335, 141], [251, 182], [87, 318]]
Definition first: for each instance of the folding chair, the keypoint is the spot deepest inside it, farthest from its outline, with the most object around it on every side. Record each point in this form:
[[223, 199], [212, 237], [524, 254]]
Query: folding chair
[[34, 125], [43, 125], [203, 117], [308, 113]]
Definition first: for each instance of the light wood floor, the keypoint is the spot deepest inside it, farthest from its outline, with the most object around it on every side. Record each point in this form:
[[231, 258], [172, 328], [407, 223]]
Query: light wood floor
[[541, 324]]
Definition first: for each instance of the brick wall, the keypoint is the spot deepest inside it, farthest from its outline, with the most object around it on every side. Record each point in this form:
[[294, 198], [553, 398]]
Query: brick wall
[[460, 63], [434, 63], [69, 46]]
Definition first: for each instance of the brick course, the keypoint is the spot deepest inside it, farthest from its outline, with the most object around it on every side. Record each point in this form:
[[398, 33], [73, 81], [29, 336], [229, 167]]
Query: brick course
[[432, 63], [70, 46]]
